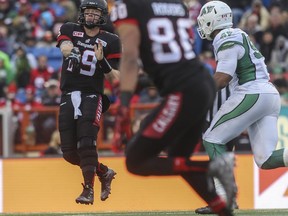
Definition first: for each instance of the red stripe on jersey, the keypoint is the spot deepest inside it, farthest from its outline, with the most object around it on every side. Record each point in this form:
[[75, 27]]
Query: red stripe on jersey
[[113, 56], [63, 37], [98, 112], [126, 21], [166, 117]]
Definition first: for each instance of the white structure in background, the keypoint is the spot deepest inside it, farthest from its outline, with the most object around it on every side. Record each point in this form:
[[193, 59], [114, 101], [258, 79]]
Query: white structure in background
[[8, 130], [275, 194]]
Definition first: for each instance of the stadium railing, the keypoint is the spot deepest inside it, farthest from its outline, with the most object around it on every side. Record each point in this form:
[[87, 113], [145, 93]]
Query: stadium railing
[[137, 111]]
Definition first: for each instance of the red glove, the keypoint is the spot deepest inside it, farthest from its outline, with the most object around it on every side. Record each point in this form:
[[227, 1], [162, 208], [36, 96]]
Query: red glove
[[122, 128]]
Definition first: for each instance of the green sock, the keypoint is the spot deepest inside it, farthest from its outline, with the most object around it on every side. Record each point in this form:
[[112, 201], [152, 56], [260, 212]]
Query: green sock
[[213, 149], [275, 160]]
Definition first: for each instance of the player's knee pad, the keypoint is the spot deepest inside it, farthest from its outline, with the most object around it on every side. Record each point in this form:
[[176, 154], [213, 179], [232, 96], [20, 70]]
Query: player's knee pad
[[71, 157], [86, 143], [87, 152]]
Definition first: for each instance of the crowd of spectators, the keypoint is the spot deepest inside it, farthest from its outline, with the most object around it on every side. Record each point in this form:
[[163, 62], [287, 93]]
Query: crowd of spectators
[[266, 22], [28, 31], [30, 62]]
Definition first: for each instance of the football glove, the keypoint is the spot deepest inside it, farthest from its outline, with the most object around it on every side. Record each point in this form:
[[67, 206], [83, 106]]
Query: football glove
[[122, 128], [74, 58]]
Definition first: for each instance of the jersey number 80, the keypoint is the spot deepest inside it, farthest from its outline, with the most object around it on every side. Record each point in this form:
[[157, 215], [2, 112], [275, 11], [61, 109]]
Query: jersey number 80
[[170, 41]]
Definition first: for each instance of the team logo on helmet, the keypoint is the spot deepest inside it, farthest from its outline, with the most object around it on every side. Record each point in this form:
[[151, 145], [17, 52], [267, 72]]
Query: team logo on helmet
[[214, 15]]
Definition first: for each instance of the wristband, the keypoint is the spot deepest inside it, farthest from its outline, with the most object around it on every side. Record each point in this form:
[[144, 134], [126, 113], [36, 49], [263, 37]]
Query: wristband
[[105, 66], [125, 98]]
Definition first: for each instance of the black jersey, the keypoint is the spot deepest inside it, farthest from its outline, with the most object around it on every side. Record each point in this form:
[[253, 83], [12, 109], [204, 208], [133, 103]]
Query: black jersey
[[88, 78], [166, 48]]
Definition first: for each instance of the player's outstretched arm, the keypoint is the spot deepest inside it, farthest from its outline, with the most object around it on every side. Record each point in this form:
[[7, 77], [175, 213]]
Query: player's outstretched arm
[[66, 46]]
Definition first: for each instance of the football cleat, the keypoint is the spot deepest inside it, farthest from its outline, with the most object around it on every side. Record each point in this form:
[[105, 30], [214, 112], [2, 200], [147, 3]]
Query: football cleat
[[87, 195], [204, 210], [222, 168], [208, 210], [106, 181]]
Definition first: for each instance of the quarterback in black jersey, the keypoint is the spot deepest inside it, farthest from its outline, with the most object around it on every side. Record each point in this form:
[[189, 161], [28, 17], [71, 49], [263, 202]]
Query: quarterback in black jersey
[[89, 55], [159, 33]]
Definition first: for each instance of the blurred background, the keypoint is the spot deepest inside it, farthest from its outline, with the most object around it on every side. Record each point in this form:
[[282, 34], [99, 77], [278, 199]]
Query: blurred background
[[30, 155], [30, 68]]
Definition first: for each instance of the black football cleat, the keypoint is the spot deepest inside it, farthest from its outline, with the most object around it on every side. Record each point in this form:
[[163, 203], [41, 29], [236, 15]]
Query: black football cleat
[[204, 210], [106, 181], [87, 195], [208, 210]]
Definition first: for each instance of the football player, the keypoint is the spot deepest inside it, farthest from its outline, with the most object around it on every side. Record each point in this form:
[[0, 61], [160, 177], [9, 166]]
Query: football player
[[254, 103], [90, 55], [159, 33]]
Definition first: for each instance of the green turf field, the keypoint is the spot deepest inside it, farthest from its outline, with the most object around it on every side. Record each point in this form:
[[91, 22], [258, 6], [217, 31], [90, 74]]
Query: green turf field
[[270, 212]]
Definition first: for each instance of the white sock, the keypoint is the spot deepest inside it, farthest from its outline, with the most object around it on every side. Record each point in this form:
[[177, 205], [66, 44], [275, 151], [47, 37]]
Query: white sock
[[219, 189], [221, 192]]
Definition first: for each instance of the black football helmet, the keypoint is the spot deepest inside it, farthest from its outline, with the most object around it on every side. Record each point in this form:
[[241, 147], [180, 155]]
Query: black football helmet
[[95, 4]]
